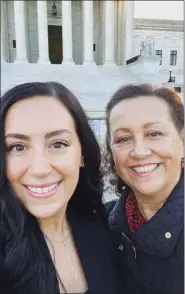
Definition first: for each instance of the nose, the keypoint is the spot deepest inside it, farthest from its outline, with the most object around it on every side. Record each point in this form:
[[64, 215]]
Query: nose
[[140, 150], [40, 166]]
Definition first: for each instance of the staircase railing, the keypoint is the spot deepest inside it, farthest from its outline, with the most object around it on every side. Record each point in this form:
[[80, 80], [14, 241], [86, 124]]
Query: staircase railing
[[133, 59]]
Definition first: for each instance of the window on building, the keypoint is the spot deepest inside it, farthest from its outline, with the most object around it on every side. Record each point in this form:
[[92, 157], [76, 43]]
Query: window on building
[[14, 43], [177, 89], [173, 79], [159, 53], [173, 57]]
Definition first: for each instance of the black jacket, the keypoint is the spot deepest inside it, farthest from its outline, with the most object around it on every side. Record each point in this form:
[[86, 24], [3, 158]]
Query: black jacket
[[152, 258], [97, 254]]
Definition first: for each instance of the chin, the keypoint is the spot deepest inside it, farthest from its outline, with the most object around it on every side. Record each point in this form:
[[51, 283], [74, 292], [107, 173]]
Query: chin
[[45, 211], [149, 189]]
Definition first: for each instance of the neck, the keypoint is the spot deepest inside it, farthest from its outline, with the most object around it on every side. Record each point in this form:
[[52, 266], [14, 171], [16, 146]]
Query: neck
[[148, 205], [148, 210], [56, 224]]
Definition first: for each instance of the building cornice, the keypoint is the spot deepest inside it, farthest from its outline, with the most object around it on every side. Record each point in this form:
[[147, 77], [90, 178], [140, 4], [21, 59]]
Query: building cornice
[[159, 24]]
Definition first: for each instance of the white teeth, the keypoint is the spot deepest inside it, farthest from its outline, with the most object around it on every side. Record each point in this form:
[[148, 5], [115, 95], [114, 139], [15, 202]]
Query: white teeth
[[145, 169], [42, 190], [45, 190], [52, 187]]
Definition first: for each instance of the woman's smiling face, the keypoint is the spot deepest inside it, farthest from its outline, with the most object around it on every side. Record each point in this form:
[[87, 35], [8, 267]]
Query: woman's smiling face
[[43, 155], [146, 146]]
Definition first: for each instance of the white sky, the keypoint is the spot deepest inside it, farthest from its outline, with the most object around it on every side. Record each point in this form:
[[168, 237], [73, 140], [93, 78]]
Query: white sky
[[159, 9]]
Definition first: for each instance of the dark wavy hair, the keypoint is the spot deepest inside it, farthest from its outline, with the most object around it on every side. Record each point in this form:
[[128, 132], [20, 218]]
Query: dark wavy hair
[[20, 234], [176, 109]]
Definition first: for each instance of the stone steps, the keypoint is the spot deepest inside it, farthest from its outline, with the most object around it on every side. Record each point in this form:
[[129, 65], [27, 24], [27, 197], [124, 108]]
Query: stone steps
[[92, 85]]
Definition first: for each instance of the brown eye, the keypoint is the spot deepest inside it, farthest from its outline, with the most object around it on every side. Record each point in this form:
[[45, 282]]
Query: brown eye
[[123, 139], [17, 148], [59, 145], [155, 134]]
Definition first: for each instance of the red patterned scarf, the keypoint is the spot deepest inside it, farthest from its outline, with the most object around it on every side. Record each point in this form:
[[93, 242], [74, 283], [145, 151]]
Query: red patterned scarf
[[134, 217]]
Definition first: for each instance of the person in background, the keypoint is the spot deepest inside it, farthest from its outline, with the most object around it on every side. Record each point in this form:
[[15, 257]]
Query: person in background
[[145, 152], [54, 234]]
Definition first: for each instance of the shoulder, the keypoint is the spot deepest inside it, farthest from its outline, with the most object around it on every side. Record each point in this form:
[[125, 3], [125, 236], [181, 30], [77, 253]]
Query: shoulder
[[117, 204], [2, 243], [1, 255], [116, 213]]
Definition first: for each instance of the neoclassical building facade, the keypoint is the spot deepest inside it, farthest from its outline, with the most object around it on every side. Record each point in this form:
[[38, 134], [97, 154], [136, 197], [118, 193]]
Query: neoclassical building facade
[[67, 32], [91, 47], [168, 36]]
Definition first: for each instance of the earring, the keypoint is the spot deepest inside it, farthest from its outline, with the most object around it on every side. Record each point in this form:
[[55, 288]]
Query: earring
[[182, 163], [82, 162]]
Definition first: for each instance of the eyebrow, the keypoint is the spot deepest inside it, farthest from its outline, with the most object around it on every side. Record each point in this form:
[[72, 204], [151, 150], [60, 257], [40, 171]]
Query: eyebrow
[[145, 126], [47, 135]]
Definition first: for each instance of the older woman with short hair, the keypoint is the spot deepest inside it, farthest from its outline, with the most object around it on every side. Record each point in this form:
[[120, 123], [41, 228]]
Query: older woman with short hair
[[145, 153]]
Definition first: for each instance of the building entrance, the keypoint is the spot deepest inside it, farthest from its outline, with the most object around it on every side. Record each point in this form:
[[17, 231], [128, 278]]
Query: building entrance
[[55, 44]]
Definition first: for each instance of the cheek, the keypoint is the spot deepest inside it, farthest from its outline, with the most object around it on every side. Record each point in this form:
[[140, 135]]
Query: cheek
[[120, 156], [168, 149], [164, 151], [69, 164], [14, 169], [15, 173]]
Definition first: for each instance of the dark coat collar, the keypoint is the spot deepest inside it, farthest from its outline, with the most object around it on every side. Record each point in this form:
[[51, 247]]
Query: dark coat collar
[[94, 245], [151, 237]]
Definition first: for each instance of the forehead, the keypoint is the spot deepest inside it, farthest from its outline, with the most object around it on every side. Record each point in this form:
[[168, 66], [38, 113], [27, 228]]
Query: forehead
[[140, 110], [38, 114]]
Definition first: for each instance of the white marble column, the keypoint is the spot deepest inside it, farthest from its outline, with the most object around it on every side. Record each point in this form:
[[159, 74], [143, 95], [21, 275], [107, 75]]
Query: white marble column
[[88, 58], [42, 32], [129, 30], [3, 48], [67, 32], [20, 32], [109, 32]]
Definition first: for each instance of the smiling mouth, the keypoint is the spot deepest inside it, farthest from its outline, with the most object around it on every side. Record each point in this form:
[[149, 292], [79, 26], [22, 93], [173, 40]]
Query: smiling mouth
[[42, 192], [145, 169]]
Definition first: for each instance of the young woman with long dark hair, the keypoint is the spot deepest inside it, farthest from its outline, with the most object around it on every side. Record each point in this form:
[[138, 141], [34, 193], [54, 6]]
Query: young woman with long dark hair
[[54, 235]]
